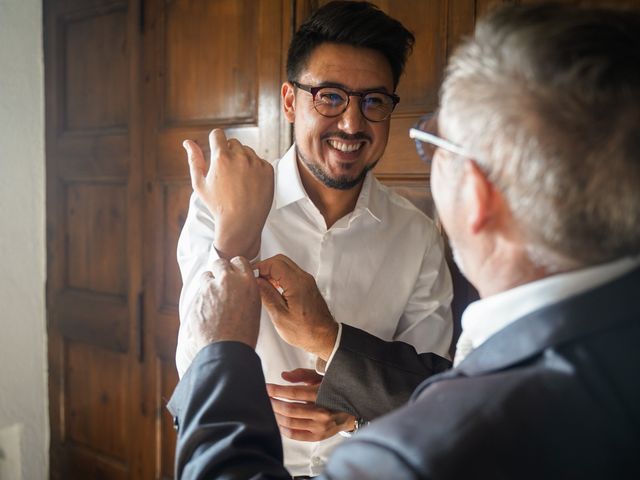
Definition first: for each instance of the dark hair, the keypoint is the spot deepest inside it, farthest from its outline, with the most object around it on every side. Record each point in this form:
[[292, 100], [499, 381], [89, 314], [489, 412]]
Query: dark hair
[[359, 24]]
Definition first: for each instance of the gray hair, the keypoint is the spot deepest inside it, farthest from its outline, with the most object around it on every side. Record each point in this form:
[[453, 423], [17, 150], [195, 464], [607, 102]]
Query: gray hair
[[548, 98]]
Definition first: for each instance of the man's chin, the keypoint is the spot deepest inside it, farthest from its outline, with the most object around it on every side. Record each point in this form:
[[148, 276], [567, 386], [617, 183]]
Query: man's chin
[[340, 182]]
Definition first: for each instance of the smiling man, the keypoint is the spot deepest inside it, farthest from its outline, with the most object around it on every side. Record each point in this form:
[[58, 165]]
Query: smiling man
[[377, 260]]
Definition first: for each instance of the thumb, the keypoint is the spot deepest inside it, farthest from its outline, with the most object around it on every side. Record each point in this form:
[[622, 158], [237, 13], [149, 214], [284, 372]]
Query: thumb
[[271, 298], [197, 164]]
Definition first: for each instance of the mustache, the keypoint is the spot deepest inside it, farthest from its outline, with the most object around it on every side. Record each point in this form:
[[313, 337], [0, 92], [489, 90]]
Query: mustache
[[346, 136]]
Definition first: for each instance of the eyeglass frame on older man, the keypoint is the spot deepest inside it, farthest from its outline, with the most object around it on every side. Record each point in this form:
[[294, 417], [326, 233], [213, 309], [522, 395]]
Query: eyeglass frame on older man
[[421, 136], [313, 90]]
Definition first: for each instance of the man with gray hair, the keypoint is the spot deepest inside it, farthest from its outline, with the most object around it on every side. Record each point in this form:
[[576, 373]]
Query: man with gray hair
[[536, 177]]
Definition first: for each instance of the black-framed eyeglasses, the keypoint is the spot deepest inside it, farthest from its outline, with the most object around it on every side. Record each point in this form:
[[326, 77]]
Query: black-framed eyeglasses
[[427, 138], [331, 101]]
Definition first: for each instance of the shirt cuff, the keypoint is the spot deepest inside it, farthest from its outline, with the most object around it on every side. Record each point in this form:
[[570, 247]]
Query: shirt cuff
[[321, 365], [215, 255]]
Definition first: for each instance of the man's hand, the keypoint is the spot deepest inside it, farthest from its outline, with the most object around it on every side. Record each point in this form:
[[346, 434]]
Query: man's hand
[[301, 419], [237, 188], [227, 306], [299, 314]]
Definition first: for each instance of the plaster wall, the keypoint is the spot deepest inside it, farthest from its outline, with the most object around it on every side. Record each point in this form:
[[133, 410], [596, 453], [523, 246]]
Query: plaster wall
[[24, 430]]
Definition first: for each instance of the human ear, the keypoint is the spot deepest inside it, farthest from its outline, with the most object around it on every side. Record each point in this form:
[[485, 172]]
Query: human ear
[[479, 194], [288, 101]]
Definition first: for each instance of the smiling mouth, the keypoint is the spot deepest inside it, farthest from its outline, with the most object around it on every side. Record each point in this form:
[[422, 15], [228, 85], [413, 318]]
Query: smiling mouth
[[345, 147]]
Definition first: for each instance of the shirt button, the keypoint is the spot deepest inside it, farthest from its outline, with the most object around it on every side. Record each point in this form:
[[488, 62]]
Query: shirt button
[[316, 461]]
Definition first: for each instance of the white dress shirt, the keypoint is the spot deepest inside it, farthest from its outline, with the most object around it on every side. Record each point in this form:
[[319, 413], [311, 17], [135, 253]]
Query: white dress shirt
[[485, 317], [380, 268]]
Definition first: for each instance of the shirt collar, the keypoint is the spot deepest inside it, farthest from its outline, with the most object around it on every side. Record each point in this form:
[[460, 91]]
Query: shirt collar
[[289, 188], [367, 200], [486, 317]]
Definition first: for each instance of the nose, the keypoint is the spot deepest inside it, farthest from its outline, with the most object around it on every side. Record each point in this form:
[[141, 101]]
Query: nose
[[351, 120]]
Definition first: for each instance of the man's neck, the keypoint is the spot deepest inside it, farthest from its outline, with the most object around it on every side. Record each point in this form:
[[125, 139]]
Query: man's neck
[[332, 203], [507, 268]]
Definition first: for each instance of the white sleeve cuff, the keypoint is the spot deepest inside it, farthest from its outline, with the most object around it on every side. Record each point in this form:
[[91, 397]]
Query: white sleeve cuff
[[321, 365], [215, 255]]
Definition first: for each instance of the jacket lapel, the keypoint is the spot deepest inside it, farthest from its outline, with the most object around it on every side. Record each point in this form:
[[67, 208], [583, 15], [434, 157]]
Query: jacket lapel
[[596, 310]]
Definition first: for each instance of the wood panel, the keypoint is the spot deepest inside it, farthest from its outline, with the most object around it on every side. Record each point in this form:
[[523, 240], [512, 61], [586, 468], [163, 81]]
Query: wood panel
[[96, 238], [213, 63], [96, 405], [95, 59], [223, 86]]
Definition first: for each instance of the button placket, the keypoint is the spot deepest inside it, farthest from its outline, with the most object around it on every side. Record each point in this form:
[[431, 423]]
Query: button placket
[[323, 276]]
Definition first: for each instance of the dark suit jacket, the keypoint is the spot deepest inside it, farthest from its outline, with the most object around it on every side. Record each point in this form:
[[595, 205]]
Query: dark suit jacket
[[556, 394], [369, 377]]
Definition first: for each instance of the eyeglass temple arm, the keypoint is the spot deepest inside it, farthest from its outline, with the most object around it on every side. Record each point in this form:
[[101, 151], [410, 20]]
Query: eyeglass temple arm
[[437, 141]]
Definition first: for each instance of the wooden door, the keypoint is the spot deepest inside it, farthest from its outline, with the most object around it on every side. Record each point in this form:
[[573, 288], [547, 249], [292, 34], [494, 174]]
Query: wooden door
[[208, 64], [94, 238], [126, 82]]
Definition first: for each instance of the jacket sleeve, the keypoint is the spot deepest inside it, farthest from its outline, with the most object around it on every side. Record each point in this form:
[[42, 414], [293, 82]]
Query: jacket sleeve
[[369, 377], [226, 427]]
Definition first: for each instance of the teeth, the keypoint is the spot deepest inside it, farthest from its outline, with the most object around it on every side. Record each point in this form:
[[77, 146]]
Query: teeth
[[343, 147]]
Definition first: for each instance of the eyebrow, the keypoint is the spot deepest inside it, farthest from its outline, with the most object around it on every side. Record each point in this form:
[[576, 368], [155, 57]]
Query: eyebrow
[[344, 87]]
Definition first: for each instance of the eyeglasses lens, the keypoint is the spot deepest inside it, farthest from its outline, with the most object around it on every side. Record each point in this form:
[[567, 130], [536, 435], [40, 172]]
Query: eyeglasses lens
[[375, 106]]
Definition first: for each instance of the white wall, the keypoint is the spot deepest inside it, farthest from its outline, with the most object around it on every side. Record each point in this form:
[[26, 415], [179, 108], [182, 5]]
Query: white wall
[[23, 360]]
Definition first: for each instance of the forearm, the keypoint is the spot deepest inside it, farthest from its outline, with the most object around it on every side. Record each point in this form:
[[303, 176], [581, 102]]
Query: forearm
[[196, 253], [226, 425], [369, 377]]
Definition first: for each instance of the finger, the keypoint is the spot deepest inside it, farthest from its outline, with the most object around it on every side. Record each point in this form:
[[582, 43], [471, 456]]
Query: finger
[[197, 164], [243, 265], [302, 375], [300, 393], [306, 411], [220, 267], [234, 145], [295, 423], [280, 269], [272, 300], [206, 276], [217, 143], [251, 153], [301, 435], [278, 262]]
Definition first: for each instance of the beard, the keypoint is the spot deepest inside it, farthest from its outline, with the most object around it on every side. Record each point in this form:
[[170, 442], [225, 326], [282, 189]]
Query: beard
[[341, 182]]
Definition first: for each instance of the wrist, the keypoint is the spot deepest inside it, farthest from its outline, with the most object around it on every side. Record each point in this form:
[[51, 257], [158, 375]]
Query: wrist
[[229, 246], [329, 335]]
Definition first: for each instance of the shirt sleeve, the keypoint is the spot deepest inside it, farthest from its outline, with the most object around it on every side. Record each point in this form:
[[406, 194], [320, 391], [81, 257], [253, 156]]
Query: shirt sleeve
[[427, 321], [321, 365], [195, 254]]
